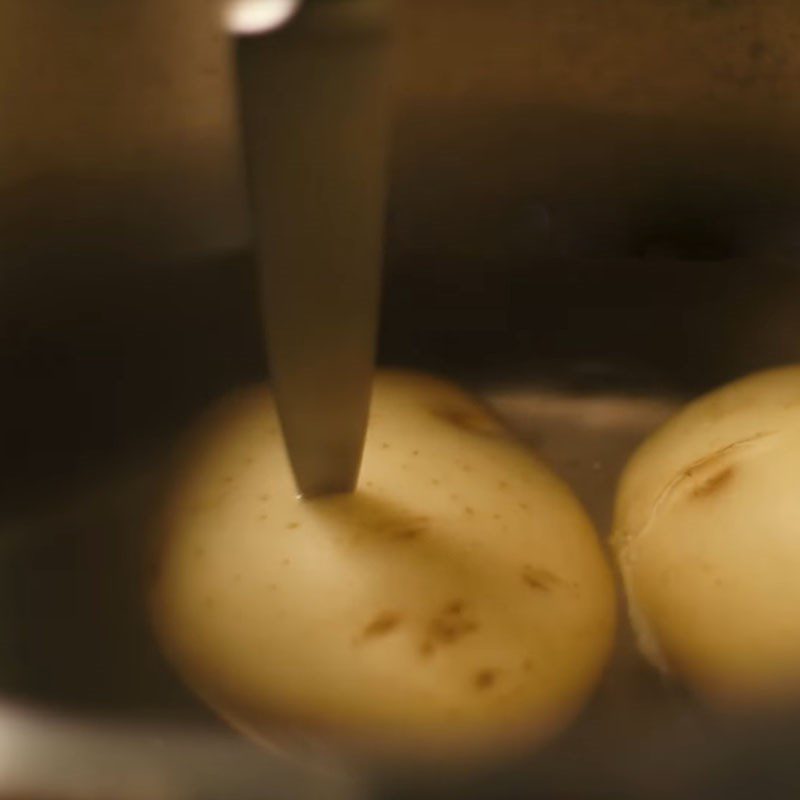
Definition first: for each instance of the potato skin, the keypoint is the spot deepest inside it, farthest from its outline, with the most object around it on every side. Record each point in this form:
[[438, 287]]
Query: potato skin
[[707, 535], [458, 601]]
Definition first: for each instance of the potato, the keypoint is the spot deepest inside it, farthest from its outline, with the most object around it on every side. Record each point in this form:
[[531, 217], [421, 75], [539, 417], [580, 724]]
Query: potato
[[458, 601], [707, 534]]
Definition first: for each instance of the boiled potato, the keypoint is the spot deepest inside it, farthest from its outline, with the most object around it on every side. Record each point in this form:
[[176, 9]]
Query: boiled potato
[[707, 533], [459, 600]]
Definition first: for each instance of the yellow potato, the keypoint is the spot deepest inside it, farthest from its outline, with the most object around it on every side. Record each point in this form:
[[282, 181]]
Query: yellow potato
[[707, 533], [460, 599]]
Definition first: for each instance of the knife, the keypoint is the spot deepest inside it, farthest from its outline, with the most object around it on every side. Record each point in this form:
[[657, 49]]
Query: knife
[[312, 81]]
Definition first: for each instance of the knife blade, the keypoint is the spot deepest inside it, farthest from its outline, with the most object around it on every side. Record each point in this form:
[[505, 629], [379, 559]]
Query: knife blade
[[312, 84]]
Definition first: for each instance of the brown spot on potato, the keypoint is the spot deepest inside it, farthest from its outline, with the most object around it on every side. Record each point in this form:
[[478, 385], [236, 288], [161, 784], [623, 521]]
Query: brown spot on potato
[[539, 580], [467, 419], [383, 623], [701, 474], [263, 497], [447, 631], [714, 482], [449, 626], [407, 534], [405, 530], [485, 679], [456, 607], [292, 526]]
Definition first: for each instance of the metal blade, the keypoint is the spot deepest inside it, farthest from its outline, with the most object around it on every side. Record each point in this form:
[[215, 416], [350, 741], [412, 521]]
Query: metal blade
[[313, 97]]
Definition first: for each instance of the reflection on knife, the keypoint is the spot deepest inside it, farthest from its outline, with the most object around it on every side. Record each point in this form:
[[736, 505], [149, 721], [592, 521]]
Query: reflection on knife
[[312, 83]]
